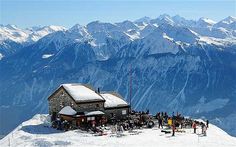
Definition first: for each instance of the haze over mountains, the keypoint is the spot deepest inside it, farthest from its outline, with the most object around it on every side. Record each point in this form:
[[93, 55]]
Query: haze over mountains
[[177, 65]]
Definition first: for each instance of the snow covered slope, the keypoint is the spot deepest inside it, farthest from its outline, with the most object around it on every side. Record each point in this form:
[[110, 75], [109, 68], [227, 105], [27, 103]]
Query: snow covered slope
[[35, 132]]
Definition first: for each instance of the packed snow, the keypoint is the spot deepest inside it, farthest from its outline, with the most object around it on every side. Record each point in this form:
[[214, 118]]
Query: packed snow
[[81, 92], [113, 101], [37, 132], [67, 111]]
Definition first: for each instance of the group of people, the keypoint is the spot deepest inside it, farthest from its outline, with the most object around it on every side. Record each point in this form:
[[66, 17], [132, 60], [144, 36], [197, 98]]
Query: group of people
[[202, 125], [61, 124], [179, 121], [162, 118]]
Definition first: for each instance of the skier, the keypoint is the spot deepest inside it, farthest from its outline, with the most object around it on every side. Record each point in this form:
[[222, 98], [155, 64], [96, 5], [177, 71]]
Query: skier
[[169, 122], [173, 129], [160, 122], [166, 117], [202, 126], [207, 123], [204, 130], [194, 127]]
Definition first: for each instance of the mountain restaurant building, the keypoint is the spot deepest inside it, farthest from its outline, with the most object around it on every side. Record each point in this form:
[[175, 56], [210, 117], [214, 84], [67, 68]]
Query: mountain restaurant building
[[80, 104]]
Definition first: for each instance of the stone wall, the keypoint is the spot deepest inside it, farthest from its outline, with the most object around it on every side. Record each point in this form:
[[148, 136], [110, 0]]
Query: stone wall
[[60, 99], [117, 113]]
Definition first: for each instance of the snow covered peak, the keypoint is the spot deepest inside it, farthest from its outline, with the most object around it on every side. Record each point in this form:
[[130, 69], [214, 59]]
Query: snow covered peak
[[154, 43], [11, 32], [166, 18], [80, 30], [76, 27], [41, 32], [97, 26], [181, 34], [144, 19], [181, 21], [12, 27], [29, 35], [226, 23], [55, 28], [163, 19], [229, 19], [127, 25], [205, 22]]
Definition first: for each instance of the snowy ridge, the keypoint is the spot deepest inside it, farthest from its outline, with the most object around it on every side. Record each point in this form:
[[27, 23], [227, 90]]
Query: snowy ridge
[[29, 35], [36, 132], [98, 34]]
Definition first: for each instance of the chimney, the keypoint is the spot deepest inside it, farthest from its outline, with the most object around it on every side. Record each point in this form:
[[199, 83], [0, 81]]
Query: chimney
[[98, 90]]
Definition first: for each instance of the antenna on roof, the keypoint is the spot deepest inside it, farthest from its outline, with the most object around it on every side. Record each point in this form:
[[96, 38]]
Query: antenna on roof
[[130, 87]]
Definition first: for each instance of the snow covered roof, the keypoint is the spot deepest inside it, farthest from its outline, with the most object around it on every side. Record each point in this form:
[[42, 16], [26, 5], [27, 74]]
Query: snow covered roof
[[82, 93], [112, 100], [67, 111], [93, 113]]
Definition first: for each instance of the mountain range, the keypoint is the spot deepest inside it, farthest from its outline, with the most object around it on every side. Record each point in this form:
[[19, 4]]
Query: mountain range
[[175, 64]]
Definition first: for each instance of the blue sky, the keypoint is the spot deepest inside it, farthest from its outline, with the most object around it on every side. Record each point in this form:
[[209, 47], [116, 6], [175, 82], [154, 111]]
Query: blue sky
[[26, 13]]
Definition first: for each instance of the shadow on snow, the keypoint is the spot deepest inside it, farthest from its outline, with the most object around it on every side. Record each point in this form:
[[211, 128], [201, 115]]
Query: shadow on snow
[[39, 129]]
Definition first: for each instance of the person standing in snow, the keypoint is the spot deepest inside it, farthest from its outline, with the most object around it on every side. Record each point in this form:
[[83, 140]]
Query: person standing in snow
[[159, 121], [173, 129], [207, 123], [121, 128], [165, 117], [202, 126], [169, 122], [204, 130], [194, 126]]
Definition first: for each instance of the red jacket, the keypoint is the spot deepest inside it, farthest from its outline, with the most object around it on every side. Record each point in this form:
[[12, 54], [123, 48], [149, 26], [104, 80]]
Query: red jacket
[[173, 127], [194, 125]]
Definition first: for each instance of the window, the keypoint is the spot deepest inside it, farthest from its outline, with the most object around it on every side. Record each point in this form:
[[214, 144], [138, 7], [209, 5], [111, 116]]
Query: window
[[71, 103], [90, 118], [97, 105], [124, 112]]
